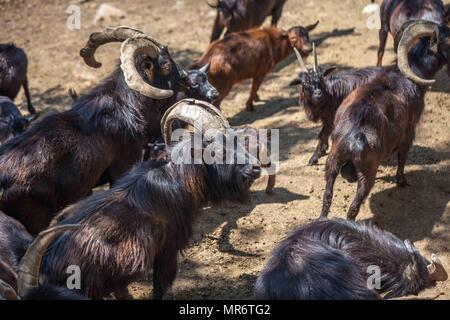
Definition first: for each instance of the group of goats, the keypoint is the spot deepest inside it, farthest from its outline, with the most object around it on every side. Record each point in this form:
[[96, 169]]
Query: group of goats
[[50, 218]]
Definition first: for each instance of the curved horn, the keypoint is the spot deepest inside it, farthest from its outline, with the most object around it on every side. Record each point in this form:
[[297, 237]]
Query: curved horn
[[300, 60], [436, 269], [130, 48], [213, 3], [412, 32], [7, 292], [199, 114], [8, 282], [28, 277], [312, 26], [98, 39]]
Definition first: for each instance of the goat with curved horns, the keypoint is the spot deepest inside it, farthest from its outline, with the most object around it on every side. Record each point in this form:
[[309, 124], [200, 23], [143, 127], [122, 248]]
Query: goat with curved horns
[[146, 219], [63, 157]]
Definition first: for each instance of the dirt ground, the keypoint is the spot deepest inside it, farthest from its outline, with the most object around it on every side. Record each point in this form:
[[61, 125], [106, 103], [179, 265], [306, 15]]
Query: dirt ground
[[231, 244]]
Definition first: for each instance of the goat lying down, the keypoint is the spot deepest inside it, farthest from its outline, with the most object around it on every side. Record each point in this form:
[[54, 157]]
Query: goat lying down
[[338, 260]]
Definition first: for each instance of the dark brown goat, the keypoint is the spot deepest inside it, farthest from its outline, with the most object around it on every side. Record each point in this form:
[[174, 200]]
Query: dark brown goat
[[395, 13], [251, 55], [12, 123], [146, 219], [336, 260], [321, 93], [240, 15], [20, 261], [13, 73], [63, 157], [379, 118]]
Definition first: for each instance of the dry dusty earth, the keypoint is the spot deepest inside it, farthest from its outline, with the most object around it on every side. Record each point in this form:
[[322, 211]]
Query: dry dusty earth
[[232, 244]]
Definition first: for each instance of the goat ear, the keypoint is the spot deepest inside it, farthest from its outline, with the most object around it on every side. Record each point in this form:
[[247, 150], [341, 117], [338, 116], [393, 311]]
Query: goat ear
[[329, 71], [312, 26], [297, 81], [149, 71]]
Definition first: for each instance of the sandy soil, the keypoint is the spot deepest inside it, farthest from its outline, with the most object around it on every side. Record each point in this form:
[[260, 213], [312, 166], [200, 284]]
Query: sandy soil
[[232, 244]]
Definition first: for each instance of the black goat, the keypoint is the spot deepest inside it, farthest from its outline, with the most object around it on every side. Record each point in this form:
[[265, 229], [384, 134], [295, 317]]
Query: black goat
[[13, 73], [63, 157], [379, 118], [338, 260], [20, 260], [321, 93], [12, 123], [146, 219]]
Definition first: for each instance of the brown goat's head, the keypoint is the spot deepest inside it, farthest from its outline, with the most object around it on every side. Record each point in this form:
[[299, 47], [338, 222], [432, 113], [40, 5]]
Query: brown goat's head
[[313, 89], [299, 38], [439, 45]]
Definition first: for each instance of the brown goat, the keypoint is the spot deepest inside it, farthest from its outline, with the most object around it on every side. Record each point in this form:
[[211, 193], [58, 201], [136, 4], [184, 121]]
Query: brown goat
[[395, 13], [251, 55], [379, 118]]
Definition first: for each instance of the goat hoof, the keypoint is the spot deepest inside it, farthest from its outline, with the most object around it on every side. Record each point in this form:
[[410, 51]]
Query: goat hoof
[[313, 162], [250, 108]]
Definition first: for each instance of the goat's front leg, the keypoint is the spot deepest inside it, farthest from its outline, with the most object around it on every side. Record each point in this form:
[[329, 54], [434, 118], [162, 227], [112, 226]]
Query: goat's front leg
[[322, 146], [164, 271], [402, 157], [383, 38], [256, 83], [26, 89]]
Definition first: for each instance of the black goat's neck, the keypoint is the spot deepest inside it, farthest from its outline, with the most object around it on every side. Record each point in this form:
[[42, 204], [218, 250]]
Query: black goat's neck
[[192, 176]]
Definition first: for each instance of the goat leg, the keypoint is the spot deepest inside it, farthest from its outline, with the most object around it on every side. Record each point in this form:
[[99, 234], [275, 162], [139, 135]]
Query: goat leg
[[164, 271], [322, 146], [31, 109], [400, 176], [256, 83], [366, 180], [383, 38], [331, 175]]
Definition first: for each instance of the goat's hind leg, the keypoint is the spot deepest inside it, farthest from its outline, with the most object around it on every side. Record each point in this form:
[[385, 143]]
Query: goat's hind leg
[[331, 173], [164, 271], [366, 180]]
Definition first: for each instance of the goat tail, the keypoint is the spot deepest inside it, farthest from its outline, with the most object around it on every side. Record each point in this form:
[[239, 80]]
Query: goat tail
[[355, 143]]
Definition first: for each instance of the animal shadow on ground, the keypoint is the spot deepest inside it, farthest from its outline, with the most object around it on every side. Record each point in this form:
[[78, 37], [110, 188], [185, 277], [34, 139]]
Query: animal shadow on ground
[[218, 224], [414, 211], [217, 288]]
